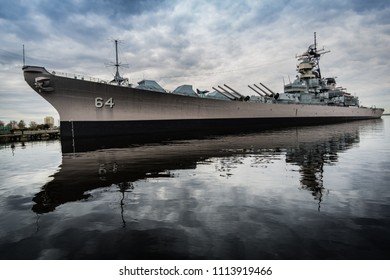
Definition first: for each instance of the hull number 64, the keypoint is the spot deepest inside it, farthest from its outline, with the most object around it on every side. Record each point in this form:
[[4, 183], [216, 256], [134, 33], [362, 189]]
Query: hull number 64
[[100, 102]]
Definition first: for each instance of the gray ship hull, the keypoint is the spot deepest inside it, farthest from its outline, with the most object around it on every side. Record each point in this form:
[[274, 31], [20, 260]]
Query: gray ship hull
[[95, 109]]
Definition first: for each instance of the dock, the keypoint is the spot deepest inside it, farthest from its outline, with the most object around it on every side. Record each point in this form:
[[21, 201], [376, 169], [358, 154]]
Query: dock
[[29, 135]]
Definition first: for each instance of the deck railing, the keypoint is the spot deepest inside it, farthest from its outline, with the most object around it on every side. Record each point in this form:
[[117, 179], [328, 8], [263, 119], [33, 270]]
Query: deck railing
[[78, 76]]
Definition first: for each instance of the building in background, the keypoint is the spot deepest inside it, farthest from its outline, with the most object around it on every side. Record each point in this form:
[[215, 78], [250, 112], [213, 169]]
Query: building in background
[[49, 121]]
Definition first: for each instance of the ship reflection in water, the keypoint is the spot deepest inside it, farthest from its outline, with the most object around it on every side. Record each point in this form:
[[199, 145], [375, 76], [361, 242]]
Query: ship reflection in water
[[282, 194], [307, 148]]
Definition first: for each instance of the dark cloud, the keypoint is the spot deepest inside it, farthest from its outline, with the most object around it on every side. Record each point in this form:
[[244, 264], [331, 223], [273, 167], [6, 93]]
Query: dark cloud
[[11, 10], [364, 6]]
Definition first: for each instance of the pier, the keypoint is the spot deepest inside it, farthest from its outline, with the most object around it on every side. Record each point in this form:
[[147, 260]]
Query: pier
[[29, 135]]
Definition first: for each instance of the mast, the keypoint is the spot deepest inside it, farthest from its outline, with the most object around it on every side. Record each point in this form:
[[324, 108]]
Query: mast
[[309, 67], [24, 57], [317, 56], [116, 60], [118, 79]]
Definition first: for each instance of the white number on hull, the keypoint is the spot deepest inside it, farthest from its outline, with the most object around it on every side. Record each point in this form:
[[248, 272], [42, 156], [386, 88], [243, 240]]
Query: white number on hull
[[99, 102]]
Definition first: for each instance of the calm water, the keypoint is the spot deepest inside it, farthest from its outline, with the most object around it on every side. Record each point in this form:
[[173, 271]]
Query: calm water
[[303, 193]]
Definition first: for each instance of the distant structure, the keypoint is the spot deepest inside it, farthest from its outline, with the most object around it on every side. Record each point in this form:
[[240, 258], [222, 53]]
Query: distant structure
[[49, 121]]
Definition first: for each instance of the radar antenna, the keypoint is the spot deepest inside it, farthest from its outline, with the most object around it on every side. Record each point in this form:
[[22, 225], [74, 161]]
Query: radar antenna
[[312, 56], [317, 54]]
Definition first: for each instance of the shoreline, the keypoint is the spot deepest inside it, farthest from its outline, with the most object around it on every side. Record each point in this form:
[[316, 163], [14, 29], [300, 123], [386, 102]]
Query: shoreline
[[29, 135]]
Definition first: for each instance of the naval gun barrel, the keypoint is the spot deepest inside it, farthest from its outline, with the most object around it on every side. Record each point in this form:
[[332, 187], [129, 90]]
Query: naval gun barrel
[[225, 94], [236, 96], [267, 89], [266, 94], [239, 94], [242, 97], [256, 91]]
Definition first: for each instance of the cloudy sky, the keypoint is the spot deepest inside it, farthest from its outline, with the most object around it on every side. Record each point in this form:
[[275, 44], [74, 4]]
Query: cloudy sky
[[203, 43]]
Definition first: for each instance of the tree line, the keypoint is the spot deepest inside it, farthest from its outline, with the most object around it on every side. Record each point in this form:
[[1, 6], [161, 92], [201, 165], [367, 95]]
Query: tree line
[[22, 125]]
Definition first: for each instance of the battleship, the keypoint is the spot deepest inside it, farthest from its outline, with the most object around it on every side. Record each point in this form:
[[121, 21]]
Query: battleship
[[91, 108]]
